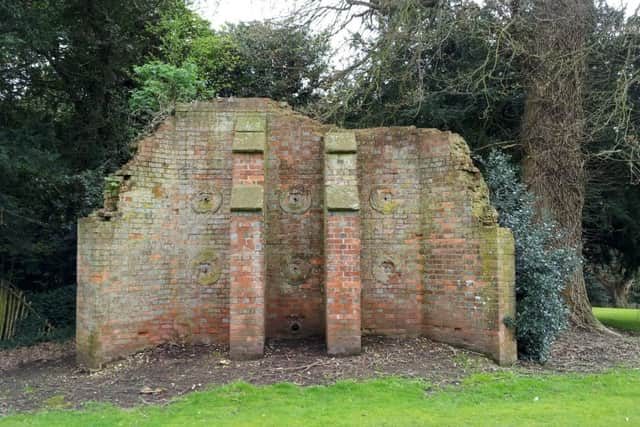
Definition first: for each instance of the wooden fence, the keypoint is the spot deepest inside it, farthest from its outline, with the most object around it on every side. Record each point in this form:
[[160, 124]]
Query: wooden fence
[[13, 308]]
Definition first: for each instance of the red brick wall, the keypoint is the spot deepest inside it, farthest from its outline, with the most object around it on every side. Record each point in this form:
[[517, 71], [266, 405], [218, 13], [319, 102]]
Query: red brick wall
[[465, 271], [135, 278], [247, 259], [389, 164], [168, 259], [343, 285], [295, 302], [248, 169], [247, 302]]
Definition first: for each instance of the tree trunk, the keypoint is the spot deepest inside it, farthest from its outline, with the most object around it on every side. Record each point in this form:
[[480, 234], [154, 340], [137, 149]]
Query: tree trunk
[[619, 292], [553, 129], [619, 297]]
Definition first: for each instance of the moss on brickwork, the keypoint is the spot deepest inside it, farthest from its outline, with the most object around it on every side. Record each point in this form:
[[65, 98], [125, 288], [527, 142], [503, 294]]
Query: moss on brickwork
[[88, 350], [489, 252], [382, 199], [112, 185], [158, 192], [472, 180], [207, 201], [496, 254]]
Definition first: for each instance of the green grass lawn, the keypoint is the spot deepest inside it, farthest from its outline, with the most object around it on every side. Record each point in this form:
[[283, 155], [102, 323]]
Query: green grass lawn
[[620, 318], [609, 399]]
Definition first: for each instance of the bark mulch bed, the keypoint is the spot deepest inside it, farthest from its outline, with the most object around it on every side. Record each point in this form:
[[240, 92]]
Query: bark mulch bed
[[46, 376]]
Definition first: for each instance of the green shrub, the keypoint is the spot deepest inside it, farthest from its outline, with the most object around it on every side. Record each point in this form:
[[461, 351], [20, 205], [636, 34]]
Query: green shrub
[[161, 85], [542, 266]]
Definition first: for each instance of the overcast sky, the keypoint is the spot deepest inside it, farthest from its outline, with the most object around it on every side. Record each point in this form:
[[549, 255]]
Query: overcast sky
[[220, 11]]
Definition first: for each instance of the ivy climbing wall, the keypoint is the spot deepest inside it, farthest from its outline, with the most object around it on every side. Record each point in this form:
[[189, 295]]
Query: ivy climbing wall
[[240, 221]]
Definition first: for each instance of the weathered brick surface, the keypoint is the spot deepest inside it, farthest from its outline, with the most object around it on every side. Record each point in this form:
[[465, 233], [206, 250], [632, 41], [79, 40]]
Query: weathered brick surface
[[411, 246], [389, 177], [342, 247], [468, 265], [295, 256], [247, 253], [343, 285], [247, 290]]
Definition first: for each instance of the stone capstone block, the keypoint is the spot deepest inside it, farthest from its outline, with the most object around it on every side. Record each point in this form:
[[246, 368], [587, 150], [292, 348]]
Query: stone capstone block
[[247, 198], [340, 142], [342, 198], [249, 142]]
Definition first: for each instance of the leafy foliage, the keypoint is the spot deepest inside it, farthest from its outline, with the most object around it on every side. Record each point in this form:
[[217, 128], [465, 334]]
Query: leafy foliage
[[281, 62], [256, 59], [161, 86], [541, 268], [65, 76], [422, 63], [71, 75], [185, 38]]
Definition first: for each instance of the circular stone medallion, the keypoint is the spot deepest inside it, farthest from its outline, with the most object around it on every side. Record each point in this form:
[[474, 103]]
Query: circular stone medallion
[[207, 201], [295, 199], [296, 269], [206, 267], [382, 199], [384, 268]]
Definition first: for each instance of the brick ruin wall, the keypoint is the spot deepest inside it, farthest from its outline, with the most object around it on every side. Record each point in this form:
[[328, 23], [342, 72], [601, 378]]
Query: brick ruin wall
[[239, 220]]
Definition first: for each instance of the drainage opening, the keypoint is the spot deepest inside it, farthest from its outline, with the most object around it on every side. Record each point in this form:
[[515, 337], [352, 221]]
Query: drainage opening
[[295, 327]]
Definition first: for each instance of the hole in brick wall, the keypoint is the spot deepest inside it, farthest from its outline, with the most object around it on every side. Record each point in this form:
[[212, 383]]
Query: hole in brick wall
[[296, 269], [143, 333], [388, 267], [457, 329], [385, 270], [207, 201], [382, 199], [295, 327], [295, 199], [206, 267]]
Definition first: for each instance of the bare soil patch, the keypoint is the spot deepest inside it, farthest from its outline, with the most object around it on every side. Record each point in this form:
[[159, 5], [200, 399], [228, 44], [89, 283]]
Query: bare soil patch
[[46, 376]]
